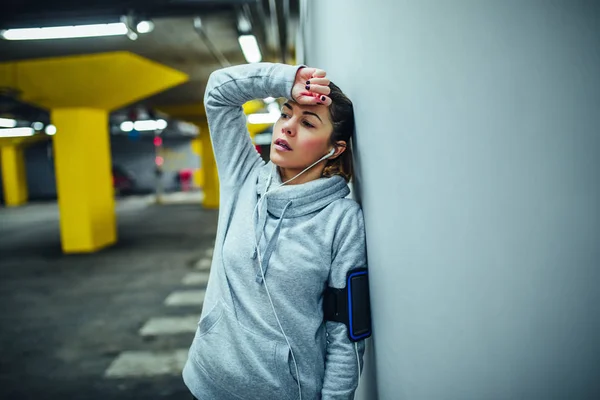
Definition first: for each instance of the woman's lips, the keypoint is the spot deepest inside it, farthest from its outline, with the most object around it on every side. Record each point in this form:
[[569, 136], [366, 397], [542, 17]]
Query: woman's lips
[[282, 145], [279, 147]]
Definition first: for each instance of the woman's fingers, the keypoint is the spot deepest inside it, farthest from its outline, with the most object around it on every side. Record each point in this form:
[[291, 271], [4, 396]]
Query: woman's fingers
[[319, 89], [325, 100], [318, 99], [318, 81], [319, 73], [315, 89], [312, 98]]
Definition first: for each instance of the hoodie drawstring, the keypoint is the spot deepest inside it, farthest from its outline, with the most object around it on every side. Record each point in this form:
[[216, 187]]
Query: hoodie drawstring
[[260, 224], [272, 244]]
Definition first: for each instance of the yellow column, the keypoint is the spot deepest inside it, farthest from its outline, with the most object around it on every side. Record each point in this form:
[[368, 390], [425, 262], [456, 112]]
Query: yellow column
[[209, 167], [80, 91], [14, 178], [198, 177], [194, 113], [82, 162]]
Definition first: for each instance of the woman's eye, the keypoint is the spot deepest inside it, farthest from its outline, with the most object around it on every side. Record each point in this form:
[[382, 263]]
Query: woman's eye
[[308, 124], [283, 115]]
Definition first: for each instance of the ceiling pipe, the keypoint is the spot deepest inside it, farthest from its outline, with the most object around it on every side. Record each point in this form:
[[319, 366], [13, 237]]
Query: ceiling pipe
[[217, 54], [283, 33], [260, 25], [274, 21]]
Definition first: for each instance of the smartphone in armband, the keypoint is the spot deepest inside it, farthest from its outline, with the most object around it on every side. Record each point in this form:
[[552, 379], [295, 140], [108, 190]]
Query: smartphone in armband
[[351, 305]]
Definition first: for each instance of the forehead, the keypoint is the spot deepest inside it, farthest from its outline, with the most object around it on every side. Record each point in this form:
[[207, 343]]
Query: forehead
[[321, 110]]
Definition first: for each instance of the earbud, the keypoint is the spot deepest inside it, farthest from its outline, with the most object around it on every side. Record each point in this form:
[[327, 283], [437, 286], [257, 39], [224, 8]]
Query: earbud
[[331, 152]]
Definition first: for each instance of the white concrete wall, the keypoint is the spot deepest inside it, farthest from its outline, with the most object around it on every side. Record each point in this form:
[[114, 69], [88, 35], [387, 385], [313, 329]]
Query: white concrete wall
[[478, 150]]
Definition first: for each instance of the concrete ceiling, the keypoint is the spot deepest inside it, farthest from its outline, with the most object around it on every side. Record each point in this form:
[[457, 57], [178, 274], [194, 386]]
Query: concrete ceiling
[[173, 42]]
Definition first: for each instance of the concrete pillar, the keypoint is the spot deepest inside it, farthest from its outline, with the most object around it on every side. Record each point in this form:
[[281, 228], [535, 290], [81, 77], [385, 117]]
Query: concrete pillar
[[198, 177], [209, 168], [80, 91], [84, 179], [14, 179], [194, 113]]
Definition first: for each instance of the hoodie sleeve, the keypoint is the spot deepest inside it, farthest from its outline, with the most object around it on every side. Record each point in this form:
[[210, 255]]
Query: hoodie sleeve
[[227, 90], [349, 252]]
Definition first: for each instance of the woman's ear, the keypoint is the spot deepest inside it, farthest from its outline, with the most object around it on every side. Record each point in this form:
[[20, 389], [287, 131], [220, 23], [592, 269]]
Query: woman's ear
[[340, 147]]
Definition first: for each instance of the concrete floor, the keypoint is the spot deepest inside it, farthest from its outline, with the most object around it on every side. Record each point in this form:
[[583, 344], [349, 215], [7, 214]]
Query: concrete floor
[[66, 321]]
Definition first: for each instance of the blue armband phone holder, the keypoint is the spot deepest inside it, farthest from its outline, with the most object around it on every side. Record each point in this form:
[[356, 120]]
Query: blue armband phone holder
[[350, 305]]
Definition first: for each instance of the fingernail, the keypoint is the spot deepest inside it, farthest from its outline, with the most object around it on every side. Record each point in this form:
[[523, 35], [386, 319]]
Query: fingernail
[[308, 82], [307, 87], [323, 98]]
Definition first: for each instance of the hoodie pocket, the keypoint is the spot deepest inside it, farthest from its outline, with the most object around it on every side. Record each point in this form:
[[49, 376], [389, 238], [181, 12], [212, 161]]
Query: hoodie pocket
[[288, 372], [240, 362]]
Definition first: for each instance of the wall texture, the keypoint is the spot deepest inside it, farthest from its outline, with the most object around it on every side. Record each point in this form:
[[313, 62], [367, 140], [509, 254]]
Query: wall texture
[[478, 153]]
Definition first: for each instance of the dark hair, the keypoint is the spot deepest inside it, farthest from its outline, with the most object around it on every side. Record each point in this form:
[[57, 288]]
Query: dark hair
[[342, 117]]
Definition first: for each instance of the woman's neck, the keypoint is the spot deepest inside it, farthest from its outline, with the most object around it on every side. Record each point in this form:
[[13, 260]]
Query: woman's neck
[[288, 173]]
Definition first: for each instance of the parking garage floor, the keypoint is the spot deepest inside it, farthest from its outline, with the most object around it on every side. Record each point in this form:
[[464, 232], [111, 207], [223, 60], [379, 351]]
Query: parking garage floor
[[111, 325]]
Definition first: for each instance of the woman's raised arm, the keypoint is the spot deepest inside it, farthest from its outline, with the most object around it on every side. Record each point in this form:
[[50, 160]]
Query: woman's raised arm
[[227, 90]]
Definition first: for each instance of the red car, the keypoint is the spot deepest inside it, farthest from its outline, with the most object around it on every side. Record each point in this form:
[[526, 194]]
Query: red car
[[123, 181]]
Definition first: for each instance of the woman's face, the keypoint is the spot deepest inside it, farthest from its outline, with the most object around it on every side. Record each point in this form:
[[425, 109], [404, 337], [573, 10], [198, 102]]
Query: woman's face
[[301, 136]]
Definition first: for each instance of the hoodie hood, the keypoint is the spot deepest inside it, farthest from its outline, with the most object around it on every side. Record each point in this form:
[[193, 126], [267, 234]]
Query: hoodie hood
[[306, 198], [288, 202]]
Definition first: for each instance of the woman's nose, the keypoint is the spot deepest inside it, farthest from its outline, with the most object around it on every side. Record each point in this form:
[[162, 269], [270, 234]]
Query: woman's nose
[[288, 130]]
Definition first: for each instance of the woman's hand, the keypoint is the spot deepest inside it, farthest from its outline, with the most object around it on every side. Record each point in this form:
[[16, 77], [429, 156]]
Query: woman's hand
[[311, 87]]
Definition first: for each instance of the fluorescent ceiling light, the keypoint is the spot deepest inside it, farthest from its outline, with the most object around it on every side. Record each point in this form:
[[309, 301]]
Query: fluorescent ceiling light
[[75, 31], [250, 48], [264, 118], [243, 25], [145, 27], [161, 124], [50, 130], [147, 125], [16, 132], [8, 123], [273, 108], [127, 126]]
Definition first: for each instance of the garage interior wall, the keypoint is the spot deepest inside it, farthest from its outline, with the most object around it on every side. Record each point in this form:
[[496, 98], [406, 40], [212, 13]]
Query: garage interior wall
[[478, 169]]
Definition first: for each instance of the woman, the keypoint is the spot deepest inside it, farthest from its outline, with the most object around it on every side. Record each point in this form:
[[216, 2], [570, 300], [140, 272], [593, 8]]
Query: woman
[[262, 334]]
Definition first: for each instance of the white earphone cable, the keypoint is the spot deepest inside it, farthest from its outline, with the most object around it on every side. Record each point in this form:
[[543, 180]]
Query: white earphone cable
[[358, 362], [262, 272]]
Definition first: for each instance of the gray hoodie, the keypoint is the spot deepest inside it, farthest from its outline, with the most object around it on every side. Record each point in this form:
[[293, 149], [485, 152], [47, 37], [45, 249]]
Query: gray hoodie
[[309, 236]]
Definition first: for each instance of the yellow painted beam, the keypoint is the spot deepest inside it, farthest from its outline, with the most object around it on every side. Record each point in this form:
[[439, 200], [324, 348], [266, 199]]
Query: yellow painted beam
[[84, 179], [209, 167], [80, 91], [106, 80], [14, 178]]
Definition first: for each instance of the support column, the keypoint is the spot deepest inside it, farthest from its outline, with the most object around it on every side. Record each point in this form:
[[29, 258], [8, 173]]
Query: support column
[[194, 113], [80, 91], [83, 168], [209, 167], [198, 177], [14, 178]]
